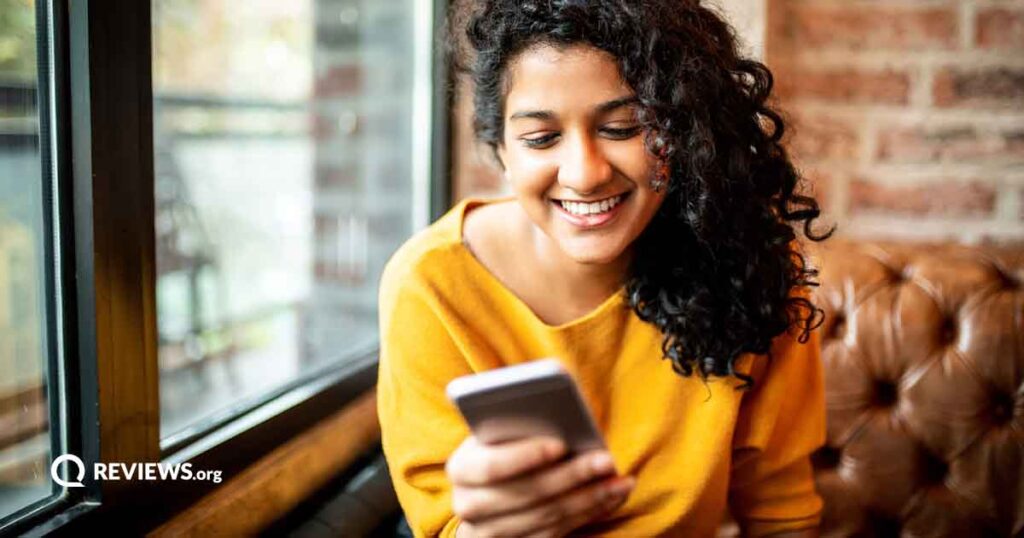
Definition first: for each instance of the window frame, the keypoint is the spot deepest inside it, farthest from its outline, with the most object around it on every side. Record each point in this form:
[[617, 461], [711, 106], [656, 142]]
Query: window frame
[[68, 384], [103, 159]]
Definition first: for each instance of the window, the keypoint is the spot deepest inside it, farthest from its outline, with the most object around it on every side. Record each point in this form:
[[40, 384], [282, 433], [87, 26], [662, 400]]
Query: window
[[283, 149], [208, 292], [27, 435]]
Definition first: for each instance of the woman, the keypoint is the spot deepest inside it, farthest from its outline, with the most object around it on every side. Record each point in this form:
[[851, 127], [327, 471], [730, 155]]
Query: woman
[[652, 218]]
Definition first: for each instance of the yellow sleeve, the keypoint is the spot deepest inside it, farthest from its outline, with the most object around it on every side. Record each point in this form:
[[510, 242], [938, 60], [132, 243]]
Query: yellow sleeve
[[420, 428], [781, 422]]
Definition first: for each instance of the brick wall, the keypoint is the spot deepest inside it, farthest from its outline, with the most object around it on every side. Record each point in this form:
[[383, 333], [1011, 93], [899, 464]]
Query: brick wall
[[908, 114], [474, 169]]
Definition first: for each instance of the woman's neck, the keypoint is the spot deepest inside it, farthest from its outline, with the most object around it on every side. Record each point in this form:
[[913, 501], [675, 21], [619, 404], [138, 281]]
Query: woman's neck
[[579, 284]]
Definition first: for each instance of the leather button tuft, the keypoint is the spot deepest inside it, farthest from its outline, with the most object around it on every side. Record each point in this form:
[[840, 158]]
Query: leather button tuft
[[838, 327], [883, 526], [1007, 280], [1002, 409], [899, 275], [949, 332], [826, 457], [885, 394], [933, 470]]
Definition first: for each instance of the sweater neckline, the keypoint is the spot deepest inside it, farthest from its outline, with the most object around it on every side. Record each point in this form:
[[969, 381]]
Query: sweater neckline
[[598, 312]]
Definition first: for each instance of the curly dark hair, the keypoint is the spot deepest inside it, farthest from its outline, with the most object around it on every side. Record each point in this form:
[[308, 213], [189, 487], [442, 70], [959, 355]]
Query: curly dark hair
[[718, 270]]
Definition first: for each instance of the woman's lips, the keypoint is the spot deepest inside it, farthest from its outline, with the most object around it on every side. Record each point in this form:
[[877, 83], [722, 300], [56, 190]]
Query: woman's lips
[[591, 221]]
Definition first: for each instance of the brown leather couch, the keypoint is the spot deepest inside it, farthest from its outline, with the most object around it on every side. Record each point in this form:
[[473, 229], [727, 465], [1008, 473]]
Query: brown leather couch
[[924, 369]]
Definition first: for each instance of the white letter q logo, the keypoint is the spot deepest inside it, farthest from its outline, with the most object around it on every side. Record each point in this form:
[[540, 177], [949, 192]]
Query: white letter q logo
[[70, 458]]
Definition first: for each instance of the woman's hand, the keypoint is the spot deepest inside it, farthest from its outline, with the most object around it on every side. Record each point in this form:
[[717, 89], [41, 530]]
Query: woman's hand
[[520, 488]]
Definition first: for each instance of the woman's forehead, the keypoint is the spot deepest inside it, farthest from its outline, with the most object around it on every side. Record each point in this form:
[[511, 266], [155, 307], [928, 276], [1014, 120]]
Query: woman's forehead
[[574, 77]]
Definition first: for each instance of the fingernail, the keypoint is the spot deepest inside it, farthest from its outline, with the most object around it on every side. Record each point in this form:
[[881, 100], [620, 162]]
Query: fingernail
[[622, 487], [602, 463], [554, 448]]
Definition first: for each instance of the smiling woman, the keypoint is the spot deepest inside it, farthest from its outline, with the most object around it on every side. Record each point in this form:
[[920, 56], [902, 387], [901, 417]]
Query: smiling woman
[[652, 218]]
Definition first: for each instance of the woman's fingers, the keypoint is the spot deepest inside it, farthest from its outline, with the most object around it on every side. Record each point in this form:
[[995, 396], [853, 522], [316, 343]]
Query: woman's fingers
[[614, 493], [561, 515], [476, 464], [475, 503], [522, 487]]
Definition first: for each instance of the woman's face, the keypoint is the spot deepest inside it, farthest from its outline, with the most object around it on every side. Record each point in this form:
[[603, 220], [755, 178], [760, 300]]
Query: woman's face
[[574, 153]]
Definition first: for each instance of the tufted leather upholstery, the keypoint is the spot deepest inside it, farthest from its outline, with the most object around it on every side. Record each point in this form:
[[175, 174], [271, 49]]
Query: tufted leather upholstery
[[924, 364]]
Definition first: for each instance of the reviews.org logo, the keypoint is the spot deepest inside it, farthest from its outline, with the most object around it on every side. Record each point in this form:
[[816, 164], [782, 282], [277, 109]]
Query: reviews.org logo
[[127, 471]]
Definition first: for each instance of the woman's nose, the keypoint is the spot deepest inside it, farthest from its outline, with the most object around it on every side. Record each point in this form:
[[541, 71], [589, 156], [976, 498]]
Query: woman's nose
[[584, 168]]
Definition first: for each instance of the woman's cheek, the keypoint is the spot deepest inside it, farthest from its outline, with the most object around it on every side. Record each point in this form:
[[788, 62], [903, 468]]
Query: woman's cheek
[[535, 173]]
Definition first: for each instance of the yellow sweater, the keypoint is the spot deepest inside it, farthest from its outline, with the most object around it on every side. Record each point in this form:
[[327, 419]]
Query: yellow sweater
[[694, 448]]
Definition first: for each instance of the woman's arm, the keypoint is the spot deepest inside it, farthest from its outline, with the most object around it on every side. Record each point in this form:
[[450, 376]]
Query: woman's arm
[[419, 427], [781, 423]]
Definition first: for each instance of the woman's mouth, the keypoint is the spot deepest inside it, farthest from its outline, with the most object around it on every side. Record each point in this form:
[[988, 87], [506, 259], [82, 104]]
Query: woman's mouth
[[591, 214]]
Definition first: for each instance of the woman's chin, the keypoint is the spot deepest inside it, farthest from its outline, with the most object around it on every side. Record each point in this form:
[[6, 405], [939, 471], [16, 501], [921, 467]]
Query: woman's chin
[[591, 254]]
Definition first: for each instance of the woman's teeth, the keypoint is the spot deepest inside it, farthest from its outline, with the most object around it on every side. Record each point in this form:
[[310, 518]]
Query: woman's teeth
[[579, 208]]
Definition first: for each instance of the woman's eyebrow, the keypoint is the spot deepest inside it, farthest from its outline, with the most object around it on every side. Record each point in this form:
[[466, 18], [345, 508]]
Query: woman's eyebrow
[[533, 114], [617, 103], [607, 106]]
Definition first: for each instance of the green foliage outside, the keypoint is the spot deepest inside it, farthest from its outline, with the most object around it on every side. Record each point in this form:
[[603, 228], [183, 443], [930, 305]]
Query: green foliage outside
[[17, 41]]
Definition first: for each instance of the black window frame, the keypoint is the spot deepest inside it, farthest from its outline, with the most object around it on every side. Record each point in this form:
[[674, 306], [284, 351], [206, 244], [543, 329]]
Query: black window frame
[[103, 157]]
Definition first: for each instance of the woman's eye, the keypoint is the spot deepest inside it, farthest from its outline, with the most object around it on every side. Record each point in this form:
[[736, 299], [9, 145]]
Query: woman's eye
[[539, 141], [617, 133]]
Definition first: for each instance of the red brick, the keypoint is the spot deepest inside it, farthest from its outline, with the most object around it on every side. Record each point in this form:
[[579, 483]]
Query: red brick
[[848, 86], [339, 273], [999, 86], [340, 80], [868, 27], [777, 40], [331, 176], [385, 225], [23, 414], [1001, 29], [393, 174], [818, 184], [1014, 143], [323, 127], [483, 178], [326, 125], [921, 144], [388, 124], [24, 470], [815, 138], [952, 199]]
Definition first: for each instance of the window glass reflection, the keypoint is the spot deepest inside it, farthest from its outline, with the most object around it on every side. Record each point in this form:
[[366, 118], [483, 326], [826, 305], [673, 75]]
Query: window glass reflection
[[282, 150], [24, 413]]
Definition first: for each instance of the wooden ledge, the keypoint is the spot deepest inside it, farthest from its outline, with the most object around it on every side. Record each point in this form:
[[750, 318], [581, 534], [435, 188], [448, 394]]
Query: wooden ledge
[[278, 482]]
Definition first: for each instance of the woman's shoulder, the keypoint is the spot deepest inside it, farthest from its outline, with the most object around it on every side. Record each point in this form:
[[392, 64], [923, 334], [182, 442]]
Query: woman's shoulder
[[436, 255], [427, 251]]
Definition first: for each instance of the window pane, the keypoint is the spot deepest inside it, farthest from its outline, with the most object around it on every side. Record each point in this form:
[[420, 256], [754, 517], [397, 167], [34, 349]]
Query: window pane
[[283, 183], [24, 412]]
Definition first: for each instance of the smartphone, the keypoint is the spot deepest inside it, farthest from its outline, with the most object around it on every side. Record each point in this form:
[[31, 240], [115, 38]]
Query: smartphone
[[534, 398]]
